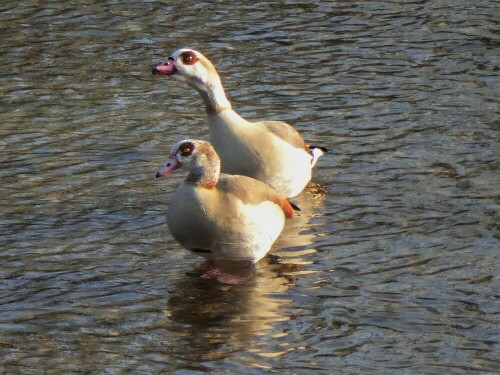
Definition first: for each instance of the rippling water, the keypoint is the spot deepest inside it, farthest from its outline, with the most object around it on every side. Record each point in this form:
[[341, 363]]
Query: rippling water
[[393, 265]]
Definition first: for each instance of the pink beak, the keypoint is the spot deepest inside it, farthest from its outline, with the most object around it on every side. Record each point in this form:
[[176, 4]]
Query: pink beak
[[171, 165], [165, 69]]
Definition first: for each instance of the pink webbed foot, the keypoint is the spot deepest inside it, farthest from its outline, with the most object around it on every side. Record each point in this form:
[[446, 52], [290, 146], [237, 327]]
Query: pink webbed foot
[[232, 279], [223, 278], [211, 274]]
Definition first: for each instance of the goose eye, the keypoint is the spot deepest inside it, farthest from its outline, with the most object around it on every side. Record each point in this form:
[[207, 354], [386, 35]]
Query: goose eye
[[186, 149], [189, 58]]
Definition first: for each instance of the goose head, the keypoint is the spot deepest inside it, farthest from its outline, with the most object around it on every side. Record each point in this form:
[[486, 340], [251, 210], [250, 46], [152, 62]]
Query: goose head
[[191, 67], [198, 157]]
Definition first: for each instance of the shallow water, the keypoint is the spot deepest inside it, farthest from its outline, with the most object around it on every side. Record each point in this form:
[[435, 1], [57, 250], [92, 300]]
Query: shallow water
[[392, 266]]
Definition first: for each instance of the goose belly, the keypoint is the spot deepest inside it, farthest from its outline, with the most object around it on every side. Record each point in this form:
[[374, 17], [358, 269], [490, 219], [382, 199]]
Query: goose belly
[[230, 231], [249, 235], [289, 171], [188, 222], [235, 153]]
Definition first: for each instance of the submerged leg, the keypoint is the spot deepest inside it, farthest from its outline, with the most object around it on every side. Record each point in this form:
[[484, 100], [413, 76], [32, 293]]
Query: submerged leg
[[231, 273]]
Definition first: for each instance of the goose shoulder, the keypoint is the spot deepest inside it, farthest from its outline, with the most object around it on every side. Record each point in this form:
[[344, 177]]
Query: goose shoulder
[[252, 192], [285, 132]]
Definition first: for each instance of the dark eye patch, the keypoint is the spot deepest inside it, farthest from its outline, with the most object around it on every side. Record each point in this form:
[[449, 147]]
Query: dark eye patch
[[189, 57], [186, 149]]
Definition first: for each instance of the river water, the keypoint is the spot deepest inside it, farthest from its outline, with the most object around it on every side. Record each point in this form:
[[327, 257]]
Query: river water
[[393, 265]]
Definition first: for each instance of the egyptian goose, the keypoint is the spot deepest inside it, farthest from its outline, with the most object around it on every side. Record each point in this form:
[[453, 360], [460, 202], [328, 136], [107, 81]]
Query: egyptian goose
[[269, 151], [230, 220]]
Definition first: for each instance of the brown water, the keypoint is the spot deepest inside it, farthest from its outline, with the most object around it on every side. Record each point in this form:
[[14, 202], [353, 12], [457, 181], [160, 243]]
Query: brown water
[[393, 266]]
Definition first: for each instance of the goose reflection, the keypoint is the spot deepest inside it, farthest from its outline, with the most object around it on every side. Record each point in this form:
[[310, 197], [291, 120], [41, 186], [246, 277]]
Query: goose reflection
[[300, 234], [212, 320]]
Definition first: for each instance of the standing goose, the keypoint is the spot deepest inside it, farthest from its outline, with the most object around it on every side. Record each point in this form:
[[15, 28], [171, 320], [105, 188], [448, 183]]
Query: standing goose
[[231, 220], [269, 151]]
